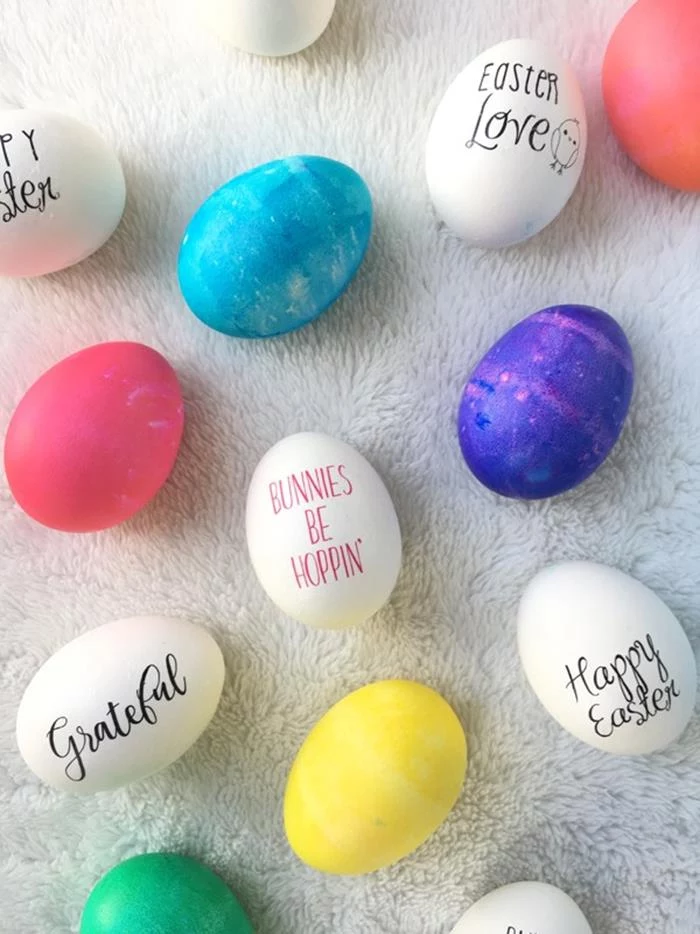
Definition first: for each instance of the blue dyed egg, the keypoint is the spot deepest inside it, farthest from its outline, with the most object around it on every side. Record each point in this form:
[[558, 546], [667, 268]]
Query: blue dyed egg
[[545, 406], [275, 247]]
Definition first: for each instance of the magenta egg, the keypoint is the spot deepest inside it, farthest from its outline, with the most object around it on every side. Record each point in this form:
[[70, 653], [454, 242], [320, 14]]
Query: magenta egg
[[95, 438]]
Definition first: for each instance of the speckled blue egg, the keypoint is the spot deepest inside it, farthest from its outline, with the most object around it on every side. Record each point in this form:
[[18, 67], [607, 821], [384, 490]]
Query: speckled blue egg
[[273, 248], [545, 406]]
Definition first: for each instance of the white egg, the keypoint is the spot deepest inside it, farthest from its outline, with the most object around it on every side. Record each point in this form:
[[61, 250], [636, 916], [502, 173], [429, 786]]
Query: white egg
[[507, 144], [524, 908], [267, 27], [607, 658], [119, 703], [62, 192], [322, 532]]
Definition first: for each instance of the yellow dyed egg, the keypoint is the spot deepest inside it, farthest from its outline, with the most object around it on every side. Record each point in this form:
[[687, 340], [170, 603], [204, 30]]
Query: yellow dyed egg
[[375, 778]]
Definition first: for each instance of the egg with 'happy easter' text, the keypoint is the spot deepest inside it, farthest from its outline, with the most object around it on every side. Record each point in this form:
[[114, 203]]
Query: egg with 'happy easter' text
[[524, 908], [322, 531], [545, 406], [272, 249], [376, 776], [607, 658], [62, 192], [94, 439], [507, 144], [119, 703], [162, 892]]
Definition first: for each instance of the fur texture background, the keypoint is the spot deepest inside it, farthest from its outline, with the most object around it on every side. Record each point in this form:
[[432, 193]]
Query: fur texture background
[[382, 370]]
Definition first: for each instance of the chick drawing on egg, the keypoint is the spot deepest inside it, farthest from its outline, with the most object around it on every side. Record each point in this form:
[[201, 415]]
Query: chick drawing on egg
[[566, 145]]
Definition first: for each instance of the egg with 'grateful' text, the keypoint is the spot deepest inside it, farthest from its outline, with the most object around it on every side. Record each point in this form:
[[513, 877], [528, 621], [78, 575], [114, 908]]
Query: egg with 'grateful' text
[[606, 658], [276, 246], [119, 703], [377, 775], [507, 144], [547, 403], [322, 531]]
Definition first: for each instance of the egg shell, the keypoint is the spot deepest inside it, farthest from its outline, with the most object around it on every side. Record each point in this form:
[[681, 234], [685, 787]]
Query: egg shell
[[322, 531], [651, 88], [163, 892], [267, 27], [375, 778], [523, 908], [119, 703], [62, 192], [607, 658], [507, 145], [95, 438], [545, 406], [275, 247]]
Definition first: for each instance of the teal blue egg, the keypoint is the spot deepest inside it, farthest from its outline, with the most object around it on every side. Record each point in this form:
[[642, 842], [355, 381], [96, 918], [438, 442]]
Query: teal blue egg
[[163, 893], [273, 248]]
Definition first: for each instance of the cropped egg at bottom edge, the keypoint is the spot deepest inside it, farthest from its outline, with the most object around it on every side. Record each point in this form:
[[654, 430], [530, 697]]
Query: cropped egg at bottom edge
[[522, 908]]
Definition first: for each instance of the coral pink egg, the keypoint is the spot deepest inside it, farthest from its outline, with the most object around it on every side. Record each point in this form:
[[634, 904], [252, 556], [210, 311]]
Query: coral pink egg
[[651, 85], [95, 437]]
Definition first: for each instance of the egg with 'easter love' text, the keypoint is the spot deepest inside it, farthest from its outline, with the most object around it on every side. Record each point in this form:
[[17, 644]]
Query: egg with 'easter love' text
[[119, 703], [606, 658], [62, 192], [95, 438], [507, 144], [163, 892], [524, 908], [377, 775], [275, 247], [322, 531], [651, 88], [547, 403]]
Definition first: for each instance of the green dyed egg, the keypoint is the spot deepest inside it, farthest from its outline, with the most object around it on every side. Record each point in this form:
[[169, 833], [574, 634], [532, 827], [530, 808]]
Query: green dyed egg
[[162, 893]]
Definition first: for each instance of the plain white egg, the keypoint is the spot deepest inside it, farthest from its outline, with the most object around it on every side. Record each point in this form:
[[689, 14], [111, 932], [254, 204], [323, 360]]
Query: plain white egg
[[267, 27]]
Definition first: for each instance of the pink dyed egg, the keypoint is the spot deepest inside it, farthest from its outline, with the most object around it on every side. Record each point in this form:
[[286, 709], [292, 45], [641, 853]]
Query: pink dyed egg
[[95, 437]]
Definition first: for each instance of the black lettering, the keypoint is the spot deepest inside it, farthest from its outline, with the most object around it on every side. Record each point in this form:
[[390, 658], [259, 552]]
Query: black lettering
[[553, 85], [530, 71], [515, 79], [541, 128], [597, 721], [30, 137], [474, 141], [499, 79], [580, 676], [542, 77], [487, 68], [602, 678], [5, 138]]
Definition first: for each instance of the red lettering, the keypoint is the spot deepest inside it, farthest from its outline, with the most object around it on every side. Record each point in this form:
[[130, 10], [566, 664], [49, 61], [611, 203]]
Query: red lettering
[[274, 496], [348, 485], [316, 527]]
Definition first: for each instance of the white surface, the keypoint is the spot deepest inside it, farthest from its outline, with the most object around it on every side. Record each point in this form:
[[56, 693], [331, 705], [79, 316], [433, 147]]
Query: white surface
[[607, 658], [507, 145], [322, 532], [119, 703], [266, 27], [383, 371], [524, 906]]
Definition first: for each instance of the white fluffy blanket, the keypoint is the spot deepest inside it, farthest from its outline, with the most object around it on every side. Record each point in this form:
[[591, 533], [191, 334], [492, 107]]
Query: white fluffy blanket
[[383, 370]]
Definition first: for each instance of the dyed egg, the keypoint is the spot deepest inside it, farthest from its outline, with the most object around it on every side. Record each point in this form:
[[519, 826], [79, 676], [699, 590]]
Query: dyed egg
[[375, 778], [651, 87], [545, 406], [322, 532], [95, 437], [267, 27], [507, 144], [523, 908], [163, 892], [276, 246], [119, 703], [62, 192], [607, 659]]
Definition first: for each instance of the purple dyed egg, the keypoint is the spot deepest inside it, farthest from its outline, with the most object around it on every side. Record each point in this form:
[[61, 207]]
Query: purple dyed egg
[[545, 406]]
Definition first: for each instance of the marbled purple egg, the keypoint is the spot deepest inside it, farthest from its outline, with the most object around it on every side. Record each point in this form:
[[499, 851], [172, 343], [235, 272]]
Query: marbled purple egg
[[545, 406]]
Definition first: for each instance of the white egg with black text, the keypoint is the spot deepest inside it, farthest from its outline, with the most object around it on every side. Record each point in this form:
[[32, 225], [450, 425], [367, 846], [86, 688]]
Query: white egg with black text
[[607, 658], [507, 145], [524, 908], [62, 192], [322, 531], [119, 703]]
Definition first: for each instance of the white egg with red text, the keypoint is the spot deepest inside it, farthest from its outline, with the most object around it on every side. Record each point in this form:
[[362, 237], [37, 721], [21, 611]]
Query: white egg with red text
[[607, 658], [323, 534], [62, 192], [507, 144], [119, 703], [524, 908]]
